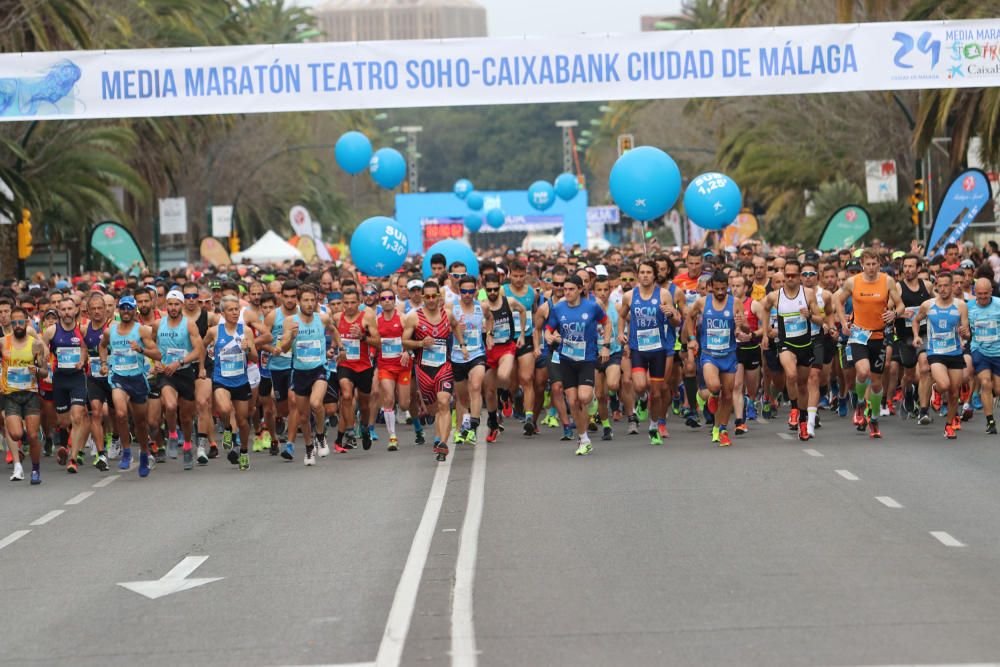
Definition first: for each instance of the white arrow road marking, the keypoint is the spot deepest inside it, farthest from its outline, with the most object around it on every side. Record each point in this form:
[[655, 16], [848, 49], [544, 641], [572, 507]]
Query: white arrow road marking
[[174, 581]]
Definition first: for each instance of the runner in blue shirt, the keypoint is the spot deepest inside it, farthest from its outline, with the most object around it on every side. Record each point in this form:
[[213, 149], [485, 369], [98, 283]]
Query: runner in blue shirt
[[984, 320], [572, 325]]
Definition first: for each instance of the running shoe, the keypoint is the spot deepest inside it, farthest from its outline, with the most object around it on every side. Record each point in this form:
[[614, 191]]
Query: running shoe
[[18, 474], [9, 459], [633, 425], [843, 406], [244, 461], [202, 456], [143, 464], [227, 440], [567, 434], [967, 412], [924, 419], [751, 410], [102, 462], [339, 448], [508, 408], [824, 403], [529, 428], [324, 449], [909, 402], [584, 448], [977, 401], [654, 437], [371, 433], [266, 440], [62, 456], [113, 446], [213, 451], [873, 430], [36, 477], [592, 424], [793, 419], [288, 453], [991, 427], [393, 444], [713, 404], [883, 410], [709, 417], [79, 458], [159, 453], [724, 440], [458, 437], [257, 445], [803, 431], [366, 439], [662, 428], [471, 437], [608, 434], [640, 410], [741, 429], [188, 456], [949, 432], [126, 461], [233, 456], [419, 439], [715, 434], [766, 412], [47, 447], [172, 447], [859, 418], [936, 399], [440, 451], [71, 467], [310, 457], [691, 421], [493, 434]]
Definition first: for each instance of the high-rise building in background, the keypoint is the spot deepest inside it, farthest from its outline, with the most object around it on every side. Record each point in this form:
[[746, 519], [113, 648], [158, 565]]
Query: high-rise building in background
[[366, 20]]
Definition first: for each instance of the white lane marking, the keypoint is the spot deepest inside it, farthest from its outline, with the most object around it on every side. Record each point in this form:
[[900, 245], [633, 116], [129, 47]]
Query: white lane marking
[[390, 650], [104, 482], [79, 498], [463, 629], [45, 518], [813, 452], [946, 539], [448, 530], [173, 581], [848, 475], [785, 436], [13, 537], [889, 502]]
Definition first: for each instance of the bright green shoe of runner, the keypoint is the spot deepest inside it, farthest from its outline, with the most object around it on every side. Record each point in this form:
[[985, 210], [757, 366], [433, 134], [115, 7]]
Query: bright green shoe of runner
[[227, 439], [655, 438], [244, 462], [470, 437], [258, 444], [457, 438], [715, 434], [584, 449]]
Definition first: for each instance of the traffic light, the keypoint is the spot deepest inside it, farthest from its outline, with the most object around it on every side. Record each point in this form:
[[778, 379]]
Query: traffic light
[[234, 244], [24, 248], [918, 202], [626, 142]]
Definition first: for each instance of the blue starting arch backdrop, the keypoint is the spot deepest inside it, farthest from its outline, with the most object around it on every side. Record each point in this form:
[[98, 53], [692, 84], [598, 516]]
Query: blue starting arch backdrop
[[416, 213], [457, 72]]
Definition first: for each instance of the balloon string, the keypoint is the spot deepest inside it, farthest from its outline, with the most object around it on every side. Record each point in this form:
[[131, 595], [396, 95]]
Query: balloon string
[[644, 251]]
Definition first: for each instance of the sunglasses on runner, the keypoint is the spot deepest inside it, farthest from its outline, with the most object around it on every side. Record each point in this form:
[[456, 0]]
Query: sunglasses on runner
[[205, 302], [555, 284], [18, 323], [388, 298], [468, 291], [492, 290], [808, 274], [190, 297], [432, 295]]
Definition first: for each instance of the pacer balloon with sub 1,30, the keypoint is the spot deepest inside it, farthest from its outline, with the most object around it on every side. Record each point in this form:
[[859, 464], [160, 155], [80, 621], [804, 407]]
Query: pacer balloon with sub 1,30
[[388, 167], [712, 201], [645, 183], [378, 246], [353, 152], [541, 195], [495, 218], [453, 251], [473, 221], [567, 186], [462, 188]]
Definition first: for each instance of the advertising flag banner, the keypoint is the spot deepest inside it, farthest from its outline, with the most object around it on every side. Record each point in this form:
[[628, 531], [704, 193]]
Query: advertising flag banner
[[963, 201], [222, 221], [173, 215], [213, 252], [117, 245], [844, 228], [742, 229], [317, 76], [881, 181]]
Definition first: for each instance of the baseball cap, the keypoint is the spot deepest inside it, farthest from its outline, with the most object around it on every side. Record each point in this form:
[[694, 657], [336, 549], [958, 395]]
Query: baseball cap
[[127, 302], [601, 270], [967, 264], [415, 284], [215, 284], [175, 294], [899, 254], [854, 265], [119, 284], [62, 284]]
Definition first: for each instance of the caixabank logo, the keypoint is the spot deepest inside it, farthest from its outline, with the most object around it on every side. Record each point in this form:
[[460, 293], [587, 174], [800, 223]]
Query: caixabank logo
[[962, 53]]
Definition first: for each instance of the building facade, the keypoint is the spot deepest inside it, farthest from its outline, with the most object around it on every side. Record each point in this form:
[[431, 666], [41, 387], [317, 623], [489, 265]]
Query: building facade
[[373, 20]]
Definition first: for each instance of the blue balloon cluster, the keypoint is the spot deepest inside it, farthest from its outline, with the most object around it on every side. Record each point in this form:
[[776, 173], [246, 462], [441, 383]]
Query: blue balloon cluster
[[473, 222], [645, 183], [388, 168], [379, 246], [453, 251], [541, 195], [475, 200], [495, 218], [353, 151], [462, 188], [567, 186], [712, 201]]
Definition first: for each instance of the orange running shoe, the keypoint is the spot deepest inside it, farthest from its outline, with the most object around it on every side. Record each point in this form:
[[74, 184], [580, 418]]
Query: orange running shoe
[[793, 419], [724, 440], [949, 432]]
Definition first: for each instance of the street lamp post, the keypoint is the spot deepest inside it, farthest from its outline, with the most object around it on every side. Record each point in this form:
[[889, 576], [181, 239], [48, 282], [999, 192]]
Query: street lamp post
[[412, 156], [569, 149]]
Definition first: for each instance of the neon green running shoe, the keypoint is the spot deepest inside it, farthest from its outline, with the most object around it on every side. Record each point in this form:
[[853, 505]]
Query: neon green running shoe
[[642, 413], [470, 437], [584, 448], [266, 440], [258, 444], [655, 438], [227, 439], [458, 438], [715, 434], [244, 462]]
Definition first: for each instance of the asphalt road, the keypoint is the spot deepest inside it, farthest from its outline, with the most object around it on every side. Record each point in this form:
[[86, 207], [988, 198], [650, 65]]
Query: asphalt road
[[840, 551]]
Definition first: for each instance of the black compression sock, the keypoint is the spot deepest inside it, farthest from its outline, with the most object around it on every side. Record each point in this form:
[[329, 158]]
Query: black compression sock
[[691, 391]]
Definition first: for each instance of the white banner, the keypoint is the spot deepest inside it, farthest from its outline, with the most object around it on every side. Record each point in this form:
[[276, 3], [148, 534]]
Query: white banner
[[881, 180], [300, 220], [173, 215], [458, 72], [222, 221], [321, 250]]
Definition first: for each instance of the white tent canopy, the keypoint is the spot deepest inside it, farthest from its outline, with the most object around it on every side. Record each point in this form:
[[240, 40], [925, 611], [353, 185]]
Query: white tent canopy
[[269, 248]]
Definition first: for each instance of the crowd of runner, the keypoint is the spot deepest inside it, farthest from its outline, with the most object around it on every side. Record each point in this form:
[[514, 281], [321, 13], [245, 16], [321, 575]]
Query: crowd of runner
[[185, 365]]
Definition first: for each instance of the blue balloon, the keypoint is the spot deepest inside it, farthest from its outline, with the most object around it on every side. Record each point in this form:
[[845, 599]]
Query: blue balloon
[[462, 188], [453, 251], [567, 186], [388, 167], [475, 200], [645, 183], [473, 222], [353, 152], [541, 195], [378, 246], [712, 201], [495, 218]]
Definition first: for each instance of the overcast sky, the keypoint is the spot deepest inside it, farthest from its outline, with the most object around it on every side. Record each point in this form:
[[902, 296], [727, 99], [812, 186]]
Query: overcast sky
[[552, 17]]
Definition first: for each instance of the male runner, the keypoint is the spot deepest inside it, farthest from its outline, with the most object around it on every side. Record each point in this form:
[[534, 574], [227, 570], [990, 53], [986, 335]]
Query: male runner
[[609, 373], [181, 346], [98, 389], [69, 380], [22, 362], [916, 380], [524, 294], [508, 316], [984, 320], [198, 307], [357, 333], [148, 315], [395, 364], [473, 333]]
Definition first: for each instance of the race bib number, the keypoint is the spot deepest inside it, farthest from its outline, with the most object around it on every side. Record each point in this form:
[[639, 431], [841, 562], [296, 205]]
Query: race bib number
[[943, 342], [309, 351], [253, 375], [574, 349], [690, 296], [555, 356], [501, 332], [125, 360], [986, 331], [859, 335], [908, 315], [95, 367], [648, 340], [19, 377], [795, 326], [352, 348], [435, 355], [68, 357], [717, 340], [173, 354], [392, 348], [232, 362], [517, 322]]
